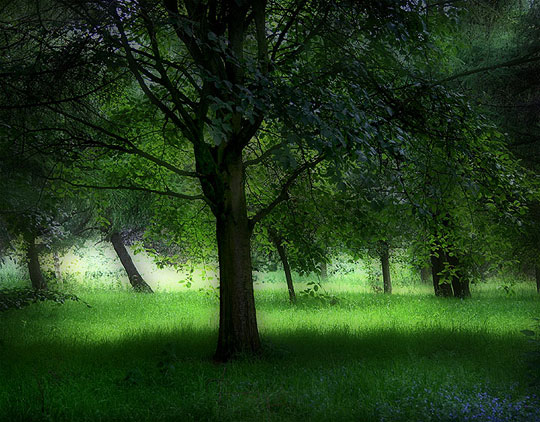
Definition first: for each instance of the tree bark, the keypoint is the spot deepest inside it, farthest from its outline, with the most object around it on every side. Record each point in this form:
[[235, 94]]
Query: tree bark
[[135, 279], [537, 276], [278, 243], [460, 283], [34, 269], [57, 269], [443, 289], [425, 274], [385, 263], [238, 333]]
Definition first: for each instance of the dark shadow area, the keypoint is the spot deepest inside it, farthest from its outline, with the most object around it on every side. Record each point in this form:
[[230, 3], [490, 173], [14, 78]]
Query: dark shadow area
[[302, 375], [305, 344]]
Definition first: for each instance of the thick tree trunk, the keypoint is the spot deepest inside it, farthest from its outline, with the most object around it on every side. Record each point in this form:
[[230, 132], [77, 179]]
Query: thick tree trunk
[[286, 267], [385, 263], [238, 333], [460, 283], [425, 274], [134, 277], [57, 269], [34, 269], [437, 266], [537, 276], [460, 286]]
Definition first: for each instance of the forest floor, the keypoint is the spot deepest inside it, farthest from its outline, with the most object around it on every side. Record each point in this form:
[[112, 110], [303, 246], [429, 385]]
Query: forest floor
[[344, 355]]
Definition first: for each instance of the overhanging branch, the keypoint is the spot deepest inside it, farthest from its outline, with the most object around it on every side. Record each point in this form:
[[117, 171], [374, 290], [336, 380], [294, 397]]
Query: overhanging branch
[[515, 62], [130, 147], [166, 192]]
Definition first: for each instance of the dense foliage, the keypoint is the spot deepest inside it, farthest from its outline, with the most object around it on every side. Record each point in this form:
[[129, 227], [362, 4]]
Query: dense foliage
[[292, 130]]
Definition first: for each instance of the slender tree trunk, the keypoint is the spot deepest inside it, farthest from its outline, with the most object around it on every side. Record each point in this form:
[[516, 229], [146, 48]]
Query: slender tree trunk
[[278, 243], [134, 277], [460, 283], [57, 269], [425, 274], [385, 263], [34, 269], [437, 266], [439, 262], [238, 333], [537, 275], [324, 270]]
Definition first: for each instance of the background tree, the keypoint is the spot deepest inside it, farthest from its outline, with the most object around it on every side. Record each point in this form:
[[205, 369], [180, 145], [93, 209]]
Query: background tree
[[503, 39], [124, 217]]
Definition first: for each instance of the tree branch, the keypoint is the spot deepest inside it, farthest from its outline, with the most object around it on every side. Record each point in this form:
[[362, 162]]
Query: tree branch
[[263, 156], [40, 103], [286, 29], [284, 193], [509, 63], [188, 132], [131, 149], [259, 11], [166, 192]]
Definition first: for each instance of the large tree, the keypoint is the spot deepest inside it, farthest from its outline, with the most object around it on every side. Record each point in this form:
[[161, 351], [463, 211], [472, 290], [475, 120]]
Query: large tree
[[207, 78]]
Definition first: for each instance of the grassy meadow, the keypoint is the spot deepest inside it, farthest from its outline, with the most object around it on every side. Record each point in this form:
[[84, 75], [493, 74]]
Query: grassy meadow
[[346, 354]]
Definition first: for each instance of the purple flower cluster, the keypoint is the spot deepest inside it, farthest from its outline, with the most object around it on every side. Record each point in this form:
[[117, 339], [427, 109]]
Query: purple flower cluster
[[450, 406]]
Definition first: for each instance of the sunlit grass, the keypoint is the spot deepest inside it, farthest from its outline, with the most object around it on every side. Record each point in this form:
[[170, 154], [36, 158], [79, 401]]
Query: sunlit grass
[[367, 356]]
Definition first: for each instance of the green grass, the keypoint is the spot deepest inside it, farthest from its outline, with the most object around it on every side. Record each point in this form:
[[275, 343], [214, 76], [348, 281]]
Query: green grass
[[368, 357]]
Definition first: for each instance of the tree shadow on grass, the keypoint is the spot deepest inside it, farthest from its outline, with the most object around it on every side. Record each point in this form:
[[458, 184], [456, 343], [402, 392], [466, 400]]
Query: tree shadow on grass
[[165, 375], [300, 344]]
